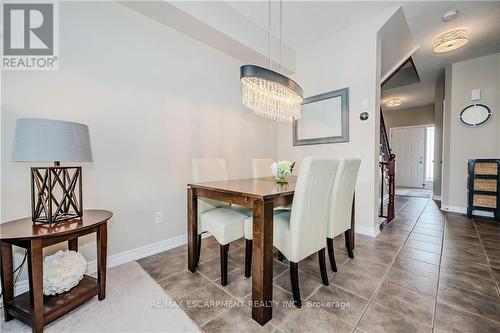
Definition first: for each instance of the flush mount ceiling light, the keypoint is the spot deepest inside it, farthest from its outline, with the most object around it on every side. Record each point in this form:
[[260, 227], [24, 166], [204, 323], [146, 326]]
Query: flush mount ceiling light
[[269, 93], [393, 102], [450, 41]]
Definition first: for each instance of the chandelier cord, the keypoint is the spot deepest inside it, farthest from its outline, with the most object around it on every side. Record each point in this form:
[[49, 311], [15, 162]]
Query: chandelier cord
[[269, 31], [281, 36]]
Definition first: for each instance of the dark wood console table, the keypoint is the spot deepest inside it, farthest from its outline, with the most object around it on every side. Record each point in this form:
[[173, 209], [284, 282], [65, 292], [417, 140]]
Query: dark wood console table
[[32, 307]]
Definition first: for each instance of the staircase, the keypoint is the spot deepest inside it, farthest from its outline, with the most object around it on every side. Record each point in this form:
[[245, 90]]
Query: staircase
[[387, 171]]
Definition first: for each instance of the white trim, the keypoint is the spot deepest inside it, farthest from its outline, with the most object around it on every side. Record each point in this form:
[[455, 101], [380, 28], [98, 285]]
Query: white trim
[[122, 258], [463, 210], [401, 62], [436, 197], [367, 230]]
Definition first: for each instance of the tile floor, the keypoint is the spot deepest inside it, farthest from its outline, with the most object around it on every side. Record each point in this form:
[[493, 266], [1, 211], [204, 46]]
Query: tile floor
[[426, 271]]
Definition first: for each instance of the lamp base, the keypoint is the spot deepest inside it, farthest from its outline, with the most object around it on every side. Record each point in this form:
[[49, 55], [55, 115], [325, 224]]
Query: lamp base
[[56, 194]]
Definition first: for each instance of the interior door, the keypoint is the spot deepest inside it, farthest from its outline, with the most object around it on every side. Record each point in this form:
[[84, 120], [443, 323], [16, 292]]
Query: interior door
[[409, 146]]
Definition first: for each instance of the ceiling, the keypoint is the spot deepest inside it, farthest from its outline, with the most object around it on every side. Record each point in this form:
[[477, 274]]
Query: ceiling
[[482, 20], [308, 21]]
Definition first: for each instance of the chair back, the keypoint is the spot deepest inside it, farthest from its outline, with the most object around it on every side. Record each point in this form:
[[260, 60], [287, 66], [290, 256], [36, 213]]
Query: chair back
[[208, 170], [310, 207], [342, 196], [261, 167]]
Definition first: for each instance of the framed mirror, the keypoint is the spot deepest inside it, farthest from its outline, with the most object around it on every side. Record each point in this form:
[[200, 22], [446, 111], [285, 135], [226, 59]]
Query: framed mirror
[[475, 115], [324, 119]]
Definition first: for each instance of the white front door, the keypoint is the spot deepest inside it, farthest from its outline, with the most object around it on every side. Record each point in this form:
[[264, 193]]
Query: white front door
[[409, 146]]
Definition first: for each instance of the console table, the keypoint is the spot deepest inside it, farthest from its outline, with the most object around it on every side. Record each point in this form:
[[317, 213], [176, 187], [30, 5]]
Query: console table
[[33, 308]]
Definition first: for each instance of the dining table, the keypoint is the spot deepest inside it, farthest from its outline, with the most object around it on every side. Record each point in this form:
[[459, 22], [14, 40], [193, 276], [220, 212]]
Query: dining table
[[261, 195]]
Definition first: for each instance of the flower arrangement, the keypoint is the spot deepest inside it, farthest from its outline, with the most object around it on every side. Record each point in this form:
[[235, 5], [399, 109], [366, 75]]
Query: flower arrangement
[[281, 170]]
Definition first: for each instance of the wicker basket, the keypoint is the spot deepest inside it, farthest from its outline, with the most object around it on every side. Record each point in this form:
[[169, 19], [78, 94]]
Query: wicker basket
[[482, 200], [489, 185], [485, 168]]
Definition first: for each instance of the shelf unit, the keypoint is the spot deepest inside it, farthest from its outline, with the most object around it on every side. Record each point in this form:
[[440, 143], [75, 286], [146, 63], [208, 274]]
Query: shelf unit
[[483, 186], [55, 306]]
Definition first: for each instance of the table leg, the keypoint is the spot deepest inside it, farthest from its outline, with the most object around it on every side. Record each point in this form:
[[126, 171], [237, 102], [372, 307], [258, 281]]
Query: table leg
[[35, 275], [192, 226], [7, 278], [73, 244], [262, 261], [102, 244]]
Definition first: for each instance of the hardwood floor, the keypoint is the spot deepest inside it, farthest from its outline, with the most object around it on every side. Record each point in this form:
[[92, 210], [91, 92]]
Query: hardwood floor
[[426, 271]]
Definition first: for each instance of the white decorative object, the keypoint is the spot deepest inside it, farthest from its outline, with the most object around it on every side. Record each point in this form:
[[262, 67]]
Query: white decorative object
[[62, 271], [281, 170]]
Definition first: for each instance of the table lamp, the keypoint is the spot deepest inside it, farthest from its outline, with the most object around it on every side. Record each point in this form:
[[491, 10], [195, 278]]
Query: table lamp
[[56, 191]]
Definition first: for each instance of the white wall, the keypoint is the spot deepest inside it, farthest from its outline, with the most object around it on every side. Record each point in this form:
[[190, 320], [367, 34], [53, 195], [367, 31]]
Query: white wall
[[419, 115], [348, 59], [153, 99], [439, 91], [462, 143]]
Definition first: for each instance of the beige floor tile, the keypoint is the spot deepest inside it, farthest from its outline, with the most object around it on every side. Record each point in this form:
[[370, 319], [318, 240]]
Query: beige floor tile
[[314, 320], [450, 319], [468, 281], [307, 283], [381, 319], [420, 283], [339, 302], [236, 319], [164, 264], [237, 284], [427, 257], [360, 277], [203, 304], [183, 283], [407, 302], [480, 304]]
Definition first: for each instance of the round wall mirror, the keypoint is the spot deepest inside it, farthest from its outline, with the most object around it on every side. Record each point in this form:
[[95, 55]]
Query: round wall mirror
[[475, 115]]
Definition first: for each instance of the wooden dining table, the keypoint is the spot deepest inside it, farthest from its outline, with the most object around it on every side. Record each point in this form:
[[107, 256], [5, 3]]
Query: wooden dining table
[[261, 195]]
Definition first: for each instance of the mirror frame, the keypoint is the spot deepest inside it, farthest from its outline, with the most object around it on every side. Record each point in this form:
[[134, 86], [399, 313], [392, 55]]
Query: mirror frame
[[488, 116], [344, 114]]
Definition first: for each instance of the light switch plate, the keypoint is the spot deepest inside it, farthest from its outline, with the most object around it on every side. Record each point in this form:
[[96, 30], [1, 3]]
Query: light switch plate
[[475, 94]]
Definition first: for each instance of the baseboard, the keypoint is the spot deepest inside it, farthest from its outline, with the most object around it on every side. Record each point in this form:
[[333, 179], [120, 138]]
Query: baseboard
[[367, 230], [122, 258], [463, 210], [436, 197]]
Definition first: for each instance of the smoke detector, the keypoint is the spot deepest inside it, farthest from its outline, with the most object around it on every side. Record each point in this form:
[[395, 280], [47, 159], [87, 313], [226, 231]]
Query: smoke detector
[[450, 15]]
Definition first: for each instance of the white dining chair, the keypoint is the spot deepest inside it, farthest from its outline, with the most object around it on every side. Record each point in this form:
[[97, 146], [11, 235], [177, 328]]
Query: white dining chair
[[261, 167], [301, 232], [224, 222], [342, 207]]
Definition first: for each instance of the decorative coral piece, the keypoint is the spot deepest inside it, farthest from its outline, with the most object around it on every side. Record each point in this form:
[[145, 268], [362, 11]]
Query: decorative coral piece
[[62, 271]]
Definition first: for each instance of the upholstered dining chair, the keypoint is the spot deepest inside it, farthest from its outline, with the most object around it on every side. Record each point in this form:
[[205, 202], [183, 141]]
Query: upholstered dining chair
[[222, 220], [342, 207], [261, 167], [301, 232]]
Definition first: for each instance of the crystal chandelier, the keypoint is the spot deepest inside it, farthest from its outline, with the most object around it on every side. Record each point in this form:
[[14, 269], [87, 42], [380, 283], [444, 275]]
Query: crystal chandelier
[[268, 93]]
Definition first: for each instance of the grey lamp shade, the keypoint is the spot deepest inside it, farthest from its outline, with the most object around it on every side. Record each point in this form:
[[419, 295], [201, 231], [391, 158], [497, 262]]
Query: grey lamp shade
[[51, 140]]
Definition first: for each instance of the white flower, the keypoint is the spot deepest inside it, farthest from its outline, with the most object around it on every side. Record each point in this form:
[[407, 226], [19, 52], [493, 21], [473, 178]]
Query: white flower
[[282, 169], [62, 271]]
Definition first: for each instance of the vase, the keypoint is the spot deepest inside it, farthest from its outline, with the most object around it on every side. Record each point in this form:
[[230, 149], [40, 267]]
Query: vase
[[282, 180]]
